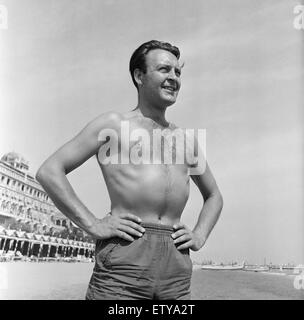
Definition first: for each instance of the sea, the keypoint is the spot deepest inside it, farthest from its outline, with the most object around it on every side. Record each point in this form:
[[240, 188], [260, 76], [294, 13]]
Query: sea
[[68, 281]]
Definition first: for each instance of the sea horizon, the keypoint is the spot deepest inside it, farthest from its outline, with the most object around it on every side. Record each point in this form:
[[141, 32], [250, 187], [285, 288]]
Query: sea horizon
[[68, 281]]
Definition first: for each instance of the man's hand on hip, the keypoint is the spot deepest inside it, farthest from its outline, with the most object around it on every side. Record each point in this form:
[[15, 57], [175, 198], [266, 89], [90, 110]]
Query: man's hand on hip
[[184, 238], [124, 226]]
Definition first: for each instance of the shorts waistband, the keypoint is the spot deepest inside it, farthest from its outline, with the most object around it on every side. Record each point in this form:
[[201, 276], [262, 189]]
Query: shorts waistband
[[157, 228]]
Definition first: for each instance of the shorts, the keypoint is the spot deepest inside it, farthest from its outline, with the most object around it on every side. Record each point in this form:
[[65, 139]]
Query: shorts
[[150, 267]]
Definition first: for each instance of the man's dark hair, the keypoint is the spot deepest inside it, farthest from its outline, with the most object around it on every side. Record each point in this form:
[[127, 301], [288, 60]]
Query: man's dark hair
[[138, 58]]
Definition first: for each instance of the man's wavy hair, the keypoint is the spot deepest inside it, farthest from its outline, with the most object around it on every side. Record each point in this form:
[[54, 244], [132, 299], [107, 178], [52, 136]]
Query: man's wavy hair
[[138, 58]]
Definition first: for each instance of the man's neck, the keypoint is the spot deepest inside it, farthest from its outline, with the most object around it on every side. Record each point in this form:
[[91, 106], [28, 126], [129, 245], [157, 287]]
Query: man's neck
[[152, 112]]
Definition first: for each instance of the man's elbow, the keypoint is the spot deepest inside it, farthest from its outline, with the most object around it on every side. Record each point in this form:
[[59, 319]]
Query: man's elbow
[[45, 172], [221, 200], [41, 174]]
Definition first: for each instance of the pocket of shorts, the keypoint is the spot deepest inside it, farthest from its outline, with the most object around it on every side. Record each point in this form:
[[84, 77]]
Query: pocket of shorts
[[104, 249], [187, 257], [126, 252], [184, 256]]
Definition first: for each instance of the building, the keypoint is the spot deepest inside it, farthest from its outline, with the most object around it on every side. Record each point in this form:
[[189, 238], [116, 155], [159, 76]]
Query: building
[[30, 224]]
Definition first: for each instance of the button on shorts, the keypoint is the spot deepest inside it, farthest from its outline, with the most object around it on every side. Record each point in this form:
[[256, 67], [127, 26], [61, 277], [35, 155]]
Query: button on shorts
[[150, 267]]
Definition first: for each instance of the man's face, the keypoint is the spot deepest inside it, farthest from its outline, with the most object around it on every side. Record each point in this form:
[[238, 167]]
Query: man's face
[[161, 82]]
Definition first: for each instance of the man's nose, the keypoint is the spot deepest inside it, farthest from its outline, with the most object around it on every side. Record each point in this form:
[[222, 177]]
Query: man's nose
[[173, 78], [172, 75]]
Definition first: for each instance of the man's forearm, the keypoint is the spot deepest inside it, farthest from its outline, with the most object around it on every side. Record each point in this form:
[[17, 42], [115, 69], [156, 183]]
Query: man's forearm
[[208, 216], [56, 184]]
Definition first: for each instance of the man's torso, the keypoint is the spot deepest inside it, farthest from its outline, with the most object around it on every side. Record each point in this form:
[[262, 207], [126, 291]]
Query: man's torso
[[157, 190]]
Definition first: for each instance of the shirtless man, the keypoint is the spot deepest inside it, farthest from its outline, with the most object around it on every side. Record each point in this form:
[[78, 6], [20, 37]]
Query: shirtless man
[[142, 247]]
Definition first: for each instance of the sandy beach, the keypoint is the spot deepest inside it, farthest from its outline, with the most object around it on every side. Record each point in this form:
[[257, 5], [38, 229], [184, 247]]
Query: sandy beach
[[68, 281]]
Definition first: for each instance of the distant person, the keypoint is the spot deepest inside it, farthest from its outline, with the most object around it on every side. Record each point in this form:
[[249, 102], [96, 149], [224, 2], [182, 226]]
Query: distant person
[[142, 247]]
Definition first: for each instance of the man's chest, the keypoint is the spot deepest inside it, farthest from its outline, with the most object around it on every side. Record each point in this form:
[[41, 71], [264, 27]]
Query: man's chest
[[149, 143], [145, 142]]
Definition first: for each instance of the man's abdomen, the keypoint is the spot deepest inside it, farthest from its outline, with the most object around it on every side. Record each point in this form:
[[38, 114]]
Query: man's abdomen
[[153, 192]]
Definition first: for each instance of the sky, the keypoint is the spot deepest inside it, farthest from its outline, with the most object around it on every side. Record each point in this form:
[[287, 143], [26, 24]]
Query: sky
[[62, 63]]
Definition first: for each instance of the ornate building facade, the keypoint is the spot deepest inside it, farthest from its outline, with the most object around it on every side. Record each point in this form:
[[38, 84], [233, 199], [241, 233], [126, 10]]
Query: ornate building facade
[[29, 221]]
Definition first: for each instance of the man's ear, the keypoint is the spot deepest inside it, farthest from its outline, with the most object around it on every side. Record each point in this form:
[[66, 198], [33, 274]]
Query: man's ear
[[138, 76]]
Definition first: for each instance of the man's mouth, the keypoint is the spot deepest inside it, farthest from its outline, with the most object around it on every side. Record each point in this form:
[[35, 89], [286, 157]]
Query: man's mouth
[[170, 88]]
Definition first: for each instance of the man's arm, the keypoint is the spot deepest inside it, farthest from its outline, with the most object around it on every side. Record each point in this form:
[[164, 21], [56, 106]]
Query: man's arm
[[213, 204], [52, 176]]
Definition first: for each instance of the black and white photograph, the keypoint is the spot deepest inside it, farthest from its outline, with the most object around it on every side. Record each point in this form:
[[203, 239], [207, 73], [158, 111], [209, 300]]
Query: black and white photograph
[[151, 150]]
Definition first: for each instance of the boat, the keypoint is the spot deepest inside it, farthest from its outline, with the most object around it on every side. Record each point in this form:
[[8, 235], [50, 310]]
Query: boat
[[299, 268], [288, 267], [223, 267], [256, 268]]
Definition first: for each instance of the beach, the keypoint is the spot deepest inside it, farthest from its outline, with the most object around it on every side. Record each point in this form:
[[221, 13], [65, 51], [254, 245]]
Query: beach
[[68, 281]]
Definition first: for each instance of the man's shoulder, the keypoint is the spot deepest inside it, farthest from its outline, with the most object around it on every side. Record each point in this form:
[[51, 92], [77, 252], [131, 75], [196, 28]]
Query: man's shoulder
[[110, 116], [110, 120]]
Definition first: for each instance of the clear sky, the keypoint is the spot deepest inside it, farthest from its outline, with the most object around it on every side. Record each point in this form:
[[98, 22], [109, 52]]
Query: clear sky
[[62, 63]]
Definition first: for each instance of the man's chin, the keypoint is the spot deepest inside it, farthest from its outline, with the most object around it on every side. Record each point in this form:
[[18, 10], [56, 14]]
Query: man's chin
[[169, 101], [165, 104]]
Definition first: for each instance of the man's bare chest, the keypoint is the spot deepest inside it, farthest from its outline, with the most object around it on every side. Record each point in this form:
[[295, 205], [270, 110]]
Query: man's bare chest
[[142, 141]]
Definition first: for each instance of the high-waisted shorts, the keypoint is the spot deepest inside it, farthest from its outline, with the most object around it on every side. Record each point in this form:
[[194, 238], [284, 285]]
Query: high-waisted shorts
[[150, 267]]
